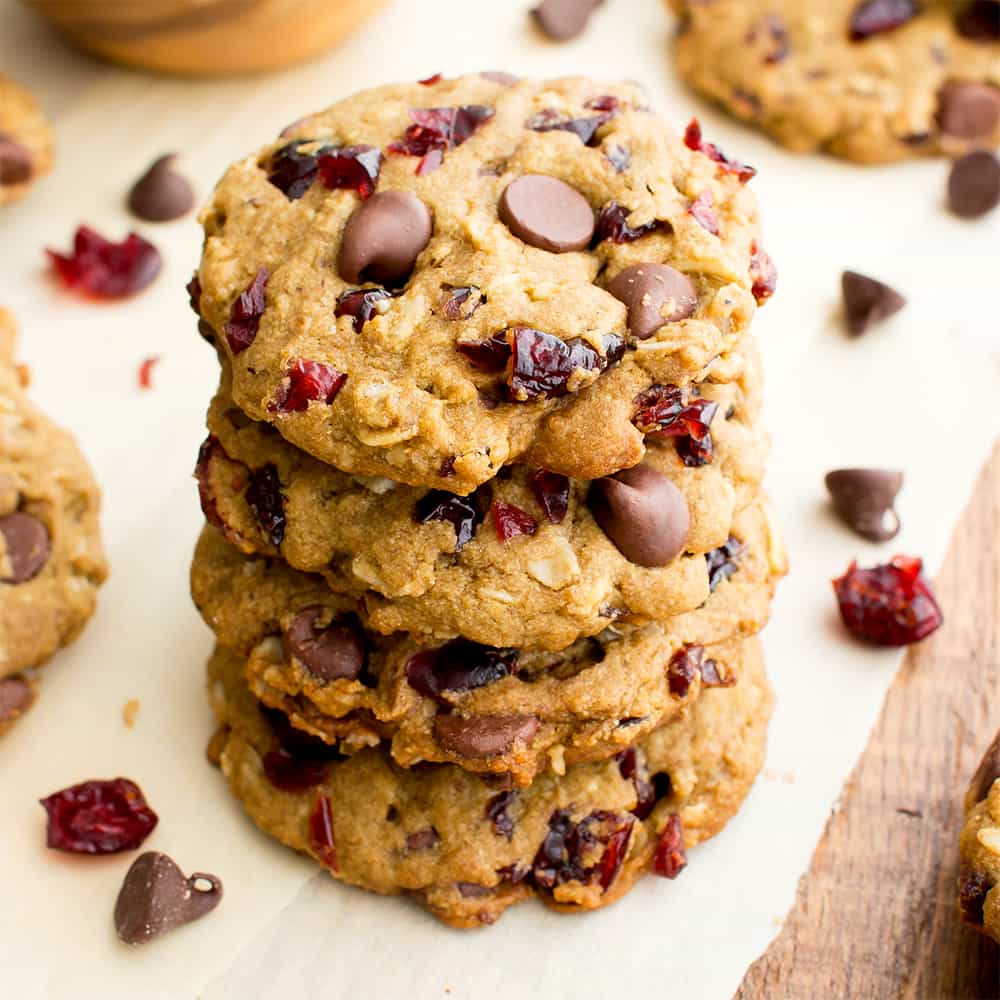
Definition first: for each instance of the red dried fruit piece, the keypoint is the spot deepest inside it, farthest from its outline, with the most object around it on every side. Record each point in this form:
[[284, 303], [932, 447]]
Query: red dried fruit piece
[[295, 741], [246, 313], [512, 522], [361, 304], [552, 493], [693, 140], [711, 678], [723, 562], [973, 887], [612, 225], [667, 411], [462, 303], [703, 213], [291, 773], [606, 102], [601, 838], [435, 130], [429, 81], [264, 497], [888, 605], [551, 120], [203, 474], [763, 273], [874, 17], [350, 168], [684, 667], [293, 172], [104, 269], [488, 355], [460, 665], [307, 382], [321, 832], [496, 813], [98, 817], [645, 793], [670, 858], [146, 372], [464, 514]]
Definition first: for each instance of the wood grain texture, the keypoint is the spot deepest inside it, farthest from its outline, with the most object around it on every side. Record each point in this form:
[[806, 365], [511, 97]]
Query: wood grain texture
[[875, 914]]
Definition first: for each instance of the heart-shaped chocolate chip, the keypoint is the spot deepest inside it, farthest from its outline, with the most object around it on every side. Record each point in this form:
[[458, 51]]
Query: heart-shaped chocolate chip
[[864, 500], [483, 735], [654, 294], [867, 301], [974, 184], [161, 194], [332, 653], [643, 513], [26, 540], [383, 238], [156, 897], [547, 213]]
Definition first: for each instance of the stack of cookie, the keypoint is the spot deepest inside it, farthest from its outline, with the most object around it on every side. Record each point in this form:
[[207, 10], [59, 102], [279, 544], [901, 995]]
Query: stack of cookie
[[486, 547]]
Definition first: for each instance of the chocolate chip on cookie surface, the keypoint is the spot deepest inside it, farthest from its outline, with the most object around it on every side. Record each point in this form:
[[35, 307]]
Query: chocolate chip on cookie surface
[[26, 143]]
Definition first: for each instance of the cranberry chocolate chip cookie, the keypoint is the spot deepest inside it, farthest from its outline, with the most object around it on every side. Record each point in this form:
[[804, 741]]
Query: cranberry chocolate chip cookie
[[979, 845], [51, 559], [870, 80], [428, 282], [466, 847], [26, 144], [531, 558]]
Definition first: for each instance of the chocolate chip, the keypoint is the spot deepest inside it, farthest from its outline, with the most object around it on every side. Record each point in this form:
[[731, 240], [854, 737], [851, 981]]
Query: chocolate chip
[[156, 897], [483, 735], [974, 184], [562, 20], [968, 110], [654, 294], [422, 840], [867, 301], [333, 653], [864, 499], [987, 772], [28, 547], [17, 695], [547, 213], [161, 194], [643, 513], [16, 162], [384, 237], [980, 21]]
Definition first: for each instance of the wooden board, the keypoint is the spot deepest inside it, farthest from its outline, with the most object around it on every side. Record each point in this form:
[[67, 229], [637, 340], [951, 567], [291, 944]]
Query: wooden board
[[875, 914]]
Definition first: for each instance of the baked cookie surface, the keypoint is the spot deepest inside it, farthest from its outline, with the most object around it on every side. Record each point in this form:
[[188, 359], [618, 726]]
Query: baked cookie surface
[[870, 81], [26, 143], [467, 848], [427, 283], [979, 847]]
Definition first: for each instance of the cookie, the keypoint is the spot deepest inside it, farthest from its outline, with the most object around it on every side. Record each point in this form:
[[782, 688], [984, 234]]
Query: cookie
[[430, 282], [51, 558], [466, 848], [26, 143], [531, 559], [979, 847], [506, 711], [863, 79]]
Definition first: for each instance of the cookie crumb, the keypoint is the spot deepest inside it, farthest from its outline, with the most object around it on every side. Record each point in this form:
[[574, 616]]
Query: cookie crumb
[[129, 712]]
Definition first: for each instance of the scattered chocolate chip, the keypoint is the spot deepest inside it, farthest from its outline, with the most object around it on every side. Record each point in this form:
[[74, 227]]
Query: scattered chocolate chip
[[496, 813], [968, 110], [864, 500], [987, 772], [156, 897], [562, 20], [17, 695], [867, 301], [483, 735], [654, 294], [547, 213], [161, 194], [384, 237], [974, 184], [643, 513], [422, 840], [16, 162], [873, 17], [979, 21], [459, 665], [334, 652], [27, 544], [724, 561], [464, 514], [973, 886], [264, 497]]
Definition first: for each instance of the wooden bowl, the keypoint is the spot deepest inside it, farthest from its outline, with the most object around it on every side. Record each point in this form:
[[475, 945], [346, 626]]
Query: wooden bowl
[[206, 37]]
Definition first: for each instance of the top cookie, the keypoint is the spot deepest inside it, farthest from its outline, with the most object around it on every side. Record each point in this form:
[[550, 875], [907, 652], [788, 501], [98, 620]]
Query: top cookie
[[864, 79], [25, 141], [427, 282]]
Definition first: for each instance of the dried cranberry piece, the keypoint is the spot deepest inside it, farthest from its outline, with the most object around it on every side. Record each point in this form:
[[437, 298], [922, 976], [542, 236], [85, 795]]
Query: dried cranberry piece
[[291, 773], [291, 171], [264, 497], [193, 288], [246, 313], [321, 832], [361, 304], [763, 273], [512, 522], [667, 411], [612, 225], [693, 140], [585, 129], [489, 355], [294, 741], [645, 792], [723, 562], [888, 605], [684, 667], [542, 364], [973, 887], [146, 371], [496, 813], [107, 270], [307, 382], [552, 493], [203, 475], [607, 103], [601, 837], [435, 130], [873, 17], [670, 858], [430, 80], [460, 665], [464, 514], [711, 678], [703, 213], [98, 817], [979, 21], [351, 168], [462, 303]]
